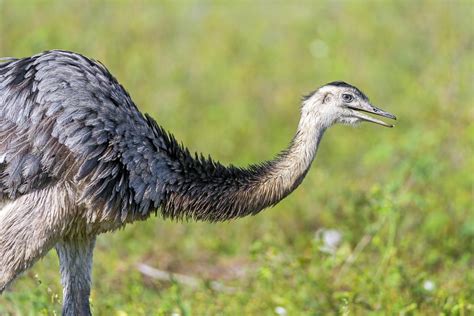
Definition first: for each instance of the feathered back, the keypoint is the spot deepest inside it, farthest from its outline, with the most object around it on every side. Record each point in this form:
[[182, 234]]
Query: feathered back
[[64, 117]]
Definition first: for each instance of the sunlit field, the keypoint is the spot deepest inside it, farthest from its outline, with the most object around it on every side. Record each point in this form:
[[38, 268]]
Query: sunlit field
[[383, 224]]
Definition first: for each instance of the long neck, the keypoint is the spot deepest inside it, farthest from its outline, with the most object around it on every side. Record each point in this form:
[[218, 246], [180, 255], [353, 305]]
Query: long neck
[[209, 191]]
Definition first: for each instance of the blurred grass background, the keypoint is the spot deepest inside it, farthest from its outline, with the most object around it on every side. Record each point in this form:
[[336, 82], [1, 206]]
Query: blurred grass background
[[226, 79]]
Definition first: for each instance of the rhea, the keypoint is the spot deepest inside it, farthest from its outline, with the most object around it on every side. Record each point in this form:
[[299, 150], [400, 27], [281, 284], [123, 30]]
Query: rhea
[[77, 159]]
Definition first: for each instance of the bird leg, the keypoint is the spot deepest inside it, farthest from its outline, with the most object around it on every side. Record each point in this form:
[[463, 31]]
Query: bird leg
[[75, 260]]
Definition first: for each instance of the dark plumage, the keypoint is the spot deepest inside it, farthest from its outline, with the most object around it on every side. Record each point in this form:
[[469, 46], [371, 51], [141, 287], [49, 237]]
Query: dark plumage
[[346, 85], [341, 84]]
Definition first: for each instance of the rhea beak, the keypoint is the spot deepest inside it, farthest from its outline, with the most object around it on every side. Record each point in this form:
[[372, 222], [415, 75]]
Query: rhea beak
[[369, 108]]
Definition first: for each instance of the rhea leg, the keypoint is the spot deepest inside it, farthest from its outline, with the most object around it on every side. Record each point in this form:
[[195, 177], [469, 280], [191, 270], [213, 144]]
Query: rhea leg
[[75, 259]]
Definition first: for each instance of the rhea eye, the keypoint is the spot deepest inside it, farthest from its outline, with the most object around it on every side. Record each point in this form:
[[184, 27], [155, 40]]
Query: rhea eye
[[347, 97]]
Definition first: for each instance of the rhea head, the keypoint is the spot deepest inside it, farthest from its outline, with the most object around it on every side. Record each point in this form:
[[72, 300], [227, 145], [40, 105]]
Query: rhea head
[[340, 102]]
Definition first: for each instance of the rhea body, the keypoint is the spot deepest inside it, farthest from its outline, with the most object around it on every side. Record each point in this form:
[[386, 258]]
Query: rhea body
[[78, 159]]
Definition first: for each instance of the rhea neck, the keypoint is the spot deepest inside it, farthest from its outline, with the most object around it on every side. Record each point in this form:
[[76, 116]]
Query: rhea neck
[[212, 192]]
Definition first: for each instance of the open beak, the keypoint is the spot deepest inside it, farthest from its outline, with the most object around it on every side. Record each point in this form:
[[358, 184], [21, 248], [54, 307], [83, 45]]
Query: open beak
[[368, 108]]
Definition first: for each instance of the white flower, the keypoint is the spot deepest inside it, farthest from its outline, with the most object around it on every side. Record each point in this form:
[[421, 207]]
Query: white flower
[[331, 239], [280, 310], [429, 285]]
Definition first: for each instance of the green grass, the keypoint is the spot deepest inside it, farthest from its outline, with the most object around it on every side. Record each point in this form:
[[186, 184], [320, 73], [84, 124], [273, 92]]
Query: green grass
[[226, 79]]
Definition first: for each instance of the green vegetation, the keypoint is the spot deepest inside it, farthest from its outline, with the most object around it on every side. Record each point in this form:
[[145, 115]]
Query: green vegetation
[[226, 78]]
